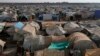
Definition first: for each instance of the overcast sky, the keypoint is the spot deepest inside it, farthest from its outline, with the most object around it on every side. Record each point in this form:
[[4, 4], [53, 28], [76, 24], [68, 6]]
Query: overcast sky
[[91, 1]]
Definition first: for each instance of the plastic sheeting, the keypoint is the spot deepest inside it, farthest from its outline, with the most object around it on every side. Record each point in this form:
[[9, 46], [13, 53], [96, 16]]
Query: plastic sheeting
[[5, 18], [97, 14], [19, 25], [81, 41], [34, 44], [36, 25], [47, 16], [72, 27], [59, 45], [55, 30], [2, 26], [92, 52]]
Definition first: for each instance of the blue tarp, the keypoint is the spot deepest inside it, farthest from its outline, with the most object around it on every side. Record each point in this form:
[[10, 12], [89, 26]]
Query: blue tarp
[[40, 17], [19, 25], [5, 18], [54, 17], [97, 14]]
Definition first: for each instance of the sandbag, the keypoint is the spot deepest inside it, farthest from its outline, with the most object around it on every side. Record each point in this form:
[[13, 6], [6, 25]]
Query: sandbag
[[81, 41]]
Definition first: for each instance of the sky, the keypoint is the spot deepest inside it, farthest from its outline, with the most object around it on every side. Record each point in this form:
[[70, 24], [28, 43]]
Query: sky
[[71, 1]]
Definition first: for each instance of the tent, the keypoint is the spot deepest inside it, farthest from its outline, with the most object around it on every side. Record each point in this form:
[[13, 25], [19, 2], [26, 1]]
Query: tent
[[5, 18], [97, 14]]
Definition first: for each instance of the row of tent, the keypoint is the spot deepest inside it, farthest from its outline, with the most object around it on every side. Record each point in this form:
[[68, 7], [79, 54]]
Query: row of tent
[[54, 17]]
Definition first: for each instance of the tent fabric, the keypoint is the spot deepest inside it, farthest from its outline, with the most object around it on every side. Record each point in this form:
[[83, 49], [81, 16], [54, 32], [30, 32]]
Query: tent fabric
[[35, 24], [22, 18], [59, 45], [81, 41], [97, 14], [71, 27], [55, 17], [5, 18], [47, 16], [34, 44], [19, 25], [2, 26], [55, 30]]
